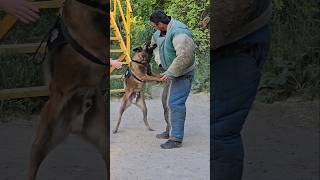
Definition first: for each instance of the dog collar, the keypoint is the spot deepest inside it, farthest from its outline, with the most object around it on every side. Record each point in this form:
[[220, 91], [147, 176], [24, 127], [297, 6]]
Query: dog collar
[[138, 62]]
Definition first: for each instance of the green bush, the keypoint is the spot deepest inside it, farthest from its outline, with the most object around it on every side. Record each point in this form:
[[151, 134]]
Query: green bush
[[293, 64]]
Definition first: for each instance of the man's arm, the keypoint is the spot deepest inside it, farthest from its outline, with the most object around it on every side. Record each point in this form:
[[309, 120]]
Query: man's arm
[[22, 9], [184, 47]]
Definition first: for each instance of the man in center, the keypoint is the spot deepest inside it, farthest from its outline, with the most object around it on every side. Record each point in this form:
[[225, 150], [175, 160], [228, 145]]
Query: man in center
[[175, 54]]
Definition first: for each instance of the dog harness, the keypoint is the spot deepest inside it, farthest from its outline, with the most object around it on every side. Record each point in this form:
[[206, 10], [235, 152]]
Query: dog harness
[[128, 73], [60, 36]]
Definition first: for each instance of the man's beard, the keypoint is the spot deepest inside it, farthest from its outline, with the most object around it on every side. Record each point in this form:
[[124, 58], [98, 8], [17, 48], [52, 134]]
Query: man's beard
[[163, 33]]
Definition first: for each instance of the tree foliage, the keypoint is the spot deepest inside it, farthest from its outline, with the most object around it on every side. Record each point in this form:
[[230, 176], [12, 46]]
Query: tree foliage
[[294, 61]]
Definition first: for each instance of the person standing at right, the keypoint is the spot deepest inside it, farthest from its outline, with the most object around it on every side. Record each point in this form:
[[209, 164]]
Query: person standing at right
[[240, 39], [177, 57]]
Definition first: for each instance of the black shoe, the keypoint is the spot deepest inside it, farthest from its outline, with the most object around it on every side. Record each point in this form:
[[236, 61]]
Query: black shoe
[[170, 144], [163, 135]]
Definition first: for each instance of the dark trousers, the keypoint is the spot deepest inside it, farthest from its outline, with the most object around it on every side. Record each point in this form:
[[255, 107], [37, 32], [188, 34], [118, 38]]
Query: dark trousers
[[235, 76]]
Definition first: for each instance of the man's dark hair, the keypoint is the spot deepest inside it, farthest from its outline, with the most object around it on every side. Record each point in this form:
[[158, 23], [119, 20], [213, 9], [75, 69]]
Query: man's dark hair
[[159, 16]]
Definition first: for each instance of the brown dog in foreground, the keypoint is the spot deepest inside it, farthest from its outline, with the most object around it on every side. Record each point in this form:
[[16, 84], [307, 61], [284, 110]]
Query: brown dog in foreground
[[77, 65], [136, 75]]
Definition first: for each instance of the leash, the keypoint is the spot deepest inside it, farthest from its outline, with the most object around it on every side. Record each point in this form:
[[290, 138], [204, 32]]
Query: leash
[[33, 59], [45, 38]]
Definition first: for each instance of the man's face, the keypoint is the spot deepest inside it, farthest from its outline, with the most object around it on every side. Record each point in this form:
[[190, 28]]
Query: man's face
[[159, 26]]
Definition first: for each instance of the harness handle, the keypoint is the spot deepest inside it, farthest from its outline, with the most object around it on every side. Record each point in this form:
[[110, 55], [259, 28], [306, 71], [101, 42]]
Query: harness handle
[[46, 37]]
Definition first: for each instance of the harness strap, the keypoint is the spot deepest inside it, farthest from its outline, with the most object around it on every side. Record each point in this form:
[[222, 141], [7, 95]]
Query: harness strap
[[76, 46], [136, 77], [128, 73]]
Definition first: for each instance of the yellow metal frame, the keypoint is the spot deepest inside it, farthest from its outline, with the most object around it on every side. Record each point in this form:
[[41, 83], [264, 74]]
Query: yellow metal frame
[[117, 15], [120, 18]]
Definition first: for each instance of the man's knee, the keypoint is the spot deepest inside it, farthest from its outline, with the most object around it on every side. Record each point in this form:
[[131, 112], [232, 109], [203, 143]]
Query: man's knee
[[227, 149], [177, 107]]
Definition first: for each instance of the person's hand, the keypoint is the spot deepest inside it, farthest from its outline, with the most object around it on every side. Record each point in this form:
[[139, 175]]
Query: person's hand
[[164, 78], [22, 9], [115, 63]]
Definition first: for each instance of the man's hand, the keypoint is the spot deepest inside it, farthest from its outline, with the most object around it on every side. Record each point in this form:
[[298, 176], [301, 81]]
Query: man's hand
[[117, 64], [22, 9], [164, 78]]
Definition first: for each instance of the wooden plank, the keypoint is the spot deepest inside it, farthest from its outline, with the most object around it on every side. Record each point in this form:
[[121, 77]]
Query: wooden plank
[[48, 4], [24, 92], [114, 77], [116, 91], [116, 50], [31, 48], [5, 25], [21, 48]]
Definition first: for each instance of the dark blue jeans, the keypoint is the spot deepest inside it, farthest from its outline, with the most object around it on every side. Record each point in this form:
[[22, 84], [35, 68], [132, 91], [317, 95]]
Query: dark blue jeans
[[235, 73]]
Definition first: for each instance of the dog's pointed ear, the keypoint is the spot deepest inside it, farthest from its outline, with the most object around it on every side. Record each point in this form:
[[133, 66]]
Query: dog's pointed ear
[[137, 49], [145, 46], [152, 47]]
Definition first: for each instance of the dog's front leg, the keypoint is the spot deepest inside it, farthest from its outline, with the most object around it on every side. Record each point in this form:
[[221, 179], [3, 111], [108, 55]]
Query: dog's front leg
[[150, 78]]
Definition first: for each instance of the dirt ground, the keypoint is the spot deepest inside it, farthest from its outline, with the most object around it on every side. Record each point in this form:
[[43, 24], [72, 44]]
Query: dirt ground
[[282, 143], [136, 154]]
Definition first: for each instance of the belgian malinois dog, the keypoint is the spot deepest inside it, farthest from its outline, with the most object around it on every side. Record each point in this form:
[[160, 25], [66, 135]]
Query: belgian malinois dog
[[137, 74], [78, 50]]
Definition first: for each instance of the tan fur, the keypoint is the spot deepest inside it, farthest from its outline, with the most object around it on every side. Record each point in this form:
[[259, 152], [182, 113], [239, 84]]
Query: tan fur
[[75, 103], [134, 89]]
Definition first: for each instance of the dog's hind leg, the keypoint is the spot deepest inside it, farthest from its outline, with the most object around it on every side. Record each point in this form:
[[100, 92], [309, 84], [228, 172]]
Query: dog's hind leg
[[48, 135], [140, 102], [126, 101], [165, 106], [96, 129]]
